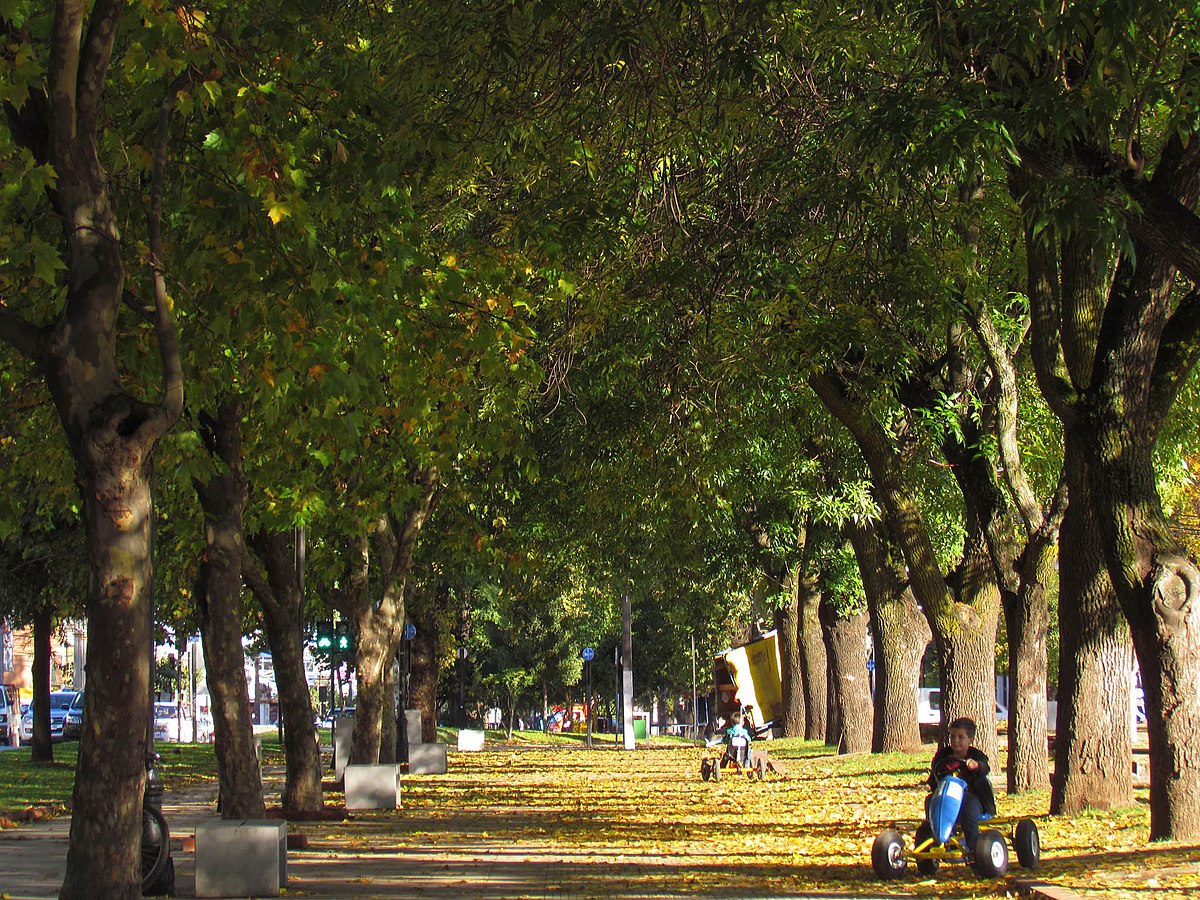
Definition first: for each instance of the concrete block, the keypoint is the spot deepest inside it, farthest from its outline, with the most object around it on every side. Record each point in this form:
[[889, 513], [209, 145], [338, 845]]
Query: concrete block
[[246, 858], [412, 726], [372, 787], [470, 739], [426, 759], [343, 735]]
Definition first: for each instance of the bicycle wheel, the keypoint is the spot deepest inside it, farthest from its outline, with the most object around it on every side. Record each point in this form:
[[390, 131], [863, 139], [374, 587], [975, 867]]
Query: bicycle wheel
[[156, 845]]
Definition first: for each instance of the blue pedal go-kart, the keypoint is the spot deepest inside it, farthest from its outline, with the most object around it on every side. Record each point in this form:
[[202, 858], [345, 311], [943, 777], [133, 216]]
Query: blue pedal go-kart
[[938, 838]]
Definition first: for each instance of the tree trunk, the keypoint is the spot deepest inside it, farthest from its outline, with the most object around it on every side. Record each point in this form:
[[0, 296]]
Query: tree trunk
[[1027, 620], [778, 581], [900, 634], [814, 658], [279, 595], [424, 672], [378, 638], [1158, 586], [1092, 749], [846, 642], [380, 626], [964, 627], [219, 604], [1022, 578], [42, 748], [791, 663], [967, 648], [393, 716], [111, 433], [103, 859]]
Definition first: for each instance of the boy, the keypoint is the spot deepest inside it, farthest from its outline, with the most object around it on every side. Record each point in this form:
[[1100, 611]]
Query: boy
[[737, 729], [969, 763]]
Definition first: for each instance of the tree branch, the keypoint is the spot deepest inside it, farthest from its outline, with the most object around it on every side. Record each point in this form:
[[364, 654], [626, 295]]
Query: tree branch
[[1177, 356], [93, 64], [63, 74], [1006, 407], [171, 403], [23, 337]]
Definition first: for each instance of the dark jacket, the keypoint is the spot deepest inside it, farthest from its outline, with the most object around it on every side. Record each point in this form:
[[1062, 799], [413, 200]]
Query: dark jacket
[[978, 783]]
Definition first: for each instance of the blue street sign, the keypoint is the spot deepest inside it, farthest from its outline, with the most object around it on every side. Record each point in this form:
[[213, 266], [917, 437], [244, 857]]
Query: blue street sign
[[410, 631], [588, 653], [870, 665]]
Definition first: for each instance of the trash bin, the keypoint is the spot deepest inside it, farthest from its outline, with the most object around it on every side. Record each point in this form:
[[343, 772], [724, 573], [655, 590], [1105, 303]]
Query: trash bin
[[640, 728]]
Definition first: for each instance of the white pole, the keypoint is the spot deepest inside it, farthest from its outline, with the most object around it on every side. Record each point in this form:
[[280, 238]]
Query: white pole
[[627, 669]]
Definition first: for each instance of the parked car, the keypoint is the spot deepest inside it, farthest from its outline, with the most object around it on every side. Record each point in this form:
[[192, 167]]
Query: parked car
[[170, 723], [60, 702], [10, 712], [929, 707], [72, 726]]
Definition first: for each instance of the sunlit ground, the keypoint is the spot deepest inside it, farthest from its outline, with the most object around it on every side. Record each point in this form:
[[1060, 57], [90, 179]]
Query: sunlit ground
[[561, 819]]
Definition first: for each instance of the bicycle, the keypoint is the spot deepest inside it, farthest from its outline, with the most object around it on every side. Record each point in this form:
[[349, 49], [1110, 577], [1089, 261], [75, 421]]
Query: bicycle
[[158, 869]]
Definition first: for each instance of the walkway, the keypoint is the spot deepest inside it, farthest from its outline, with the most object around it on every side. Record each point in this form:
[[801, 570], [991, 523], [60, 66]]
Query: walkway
[[542, 823]]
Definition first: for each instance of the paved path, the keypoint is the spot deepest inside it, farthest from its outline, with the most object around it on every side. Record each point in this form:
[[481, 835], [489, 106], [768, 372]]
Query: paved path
[[511, 823]]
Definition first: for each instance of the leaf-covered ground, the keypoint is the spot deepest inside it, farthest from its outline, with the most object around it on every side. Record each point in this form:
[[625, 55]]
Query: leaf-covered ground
[[540, 820]]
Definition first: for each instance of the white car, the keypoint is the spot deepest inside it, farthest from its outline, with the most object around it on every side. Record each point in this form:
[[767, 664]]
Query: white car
[[170, 723], [929, 707]]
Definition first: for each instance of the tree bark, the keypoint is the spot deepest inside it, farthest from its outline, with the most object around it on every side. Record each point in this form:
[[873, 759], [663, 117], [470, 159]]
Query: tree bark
[[814, 658], [1092, 749], [219, 604], [380, 626], [103, 859], [791, 663], [964, 626], [1023, 578], [1027, 621], [900, 635], [424, 671], [845, 636], [42, 747], [111, 433], [278, 592]]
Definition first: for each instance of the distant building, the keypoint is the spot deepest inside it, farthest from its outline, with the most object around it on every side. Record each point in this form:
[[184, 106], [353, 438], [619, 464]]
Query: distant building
[[68, 650]]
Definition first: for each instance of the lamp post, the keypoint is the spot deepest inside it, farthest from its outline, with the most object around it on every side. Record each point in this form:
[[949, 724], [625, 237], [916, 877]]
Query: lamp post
[[462, 686]]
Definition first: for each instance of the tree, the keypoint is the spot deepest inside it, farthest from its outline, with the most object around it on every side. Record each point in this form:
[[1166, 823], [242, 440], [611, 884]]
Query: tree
[[55, 133], [1095, 119]]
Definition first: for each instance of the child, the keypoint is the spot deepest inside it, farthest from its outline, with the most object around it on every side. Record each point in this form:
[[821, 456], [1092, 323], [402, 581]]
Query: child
[[969, 763], [737, 729]]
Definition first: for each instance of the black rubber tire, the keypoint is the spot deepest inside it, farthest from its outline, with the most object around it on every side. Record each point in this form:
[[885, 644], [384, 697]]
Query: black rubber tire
[[887, 856], [706, 769], [1027, 841], [991, 855], [156, 845], [716, 770], [925, 866], [760, 767]]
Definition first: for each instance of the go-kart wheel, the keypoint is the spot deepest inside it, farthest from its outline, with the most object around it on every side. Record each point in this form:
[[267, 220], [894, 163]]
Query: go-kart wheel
[[706, 769], [887, 856], [1028, 844], [925, 866], [991, 855], [715, 771], [760, 768]]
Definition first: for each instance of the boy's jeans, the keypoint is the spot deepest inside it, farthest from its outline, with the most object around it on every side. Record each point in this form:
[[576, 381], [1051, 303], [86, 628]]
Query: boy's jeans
[[968, 818]]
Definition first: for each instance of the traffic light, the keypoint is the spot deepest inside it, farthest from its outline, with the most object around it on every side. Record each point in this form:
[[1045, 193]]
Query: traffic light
[[325, 636], [342, 641]]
